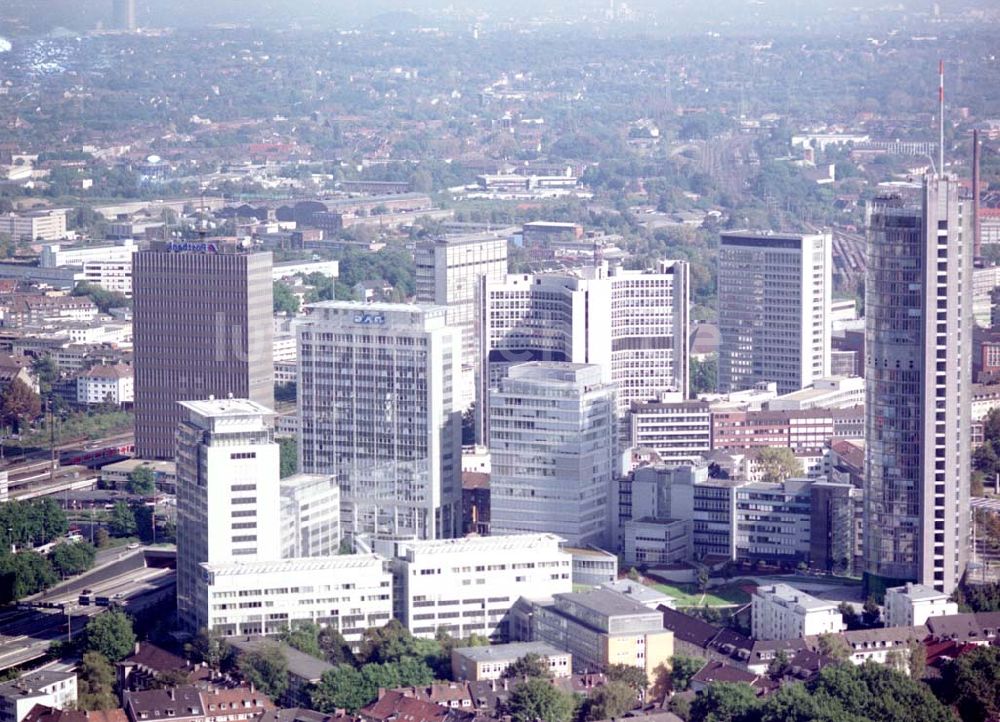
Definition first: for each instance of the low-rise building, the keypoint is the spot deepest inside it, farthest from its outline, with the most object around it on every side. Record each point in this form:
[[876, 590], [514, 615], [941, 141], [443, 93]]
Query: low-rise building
[[601, 628], [913, 604], [657, 542], [195, 704], [875, 645], [52, 689], [45, 225], [468, 586], [592, 566], [303, 670], [645, 595], [782, 612], [349, 593], [114, 385], [773, 521], [476, 664], [831, 392], [117, 475]]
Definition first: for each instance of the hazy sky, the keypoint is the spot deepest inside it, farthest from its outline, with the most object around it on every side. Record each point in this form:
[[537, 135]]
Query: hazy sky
[[41, 15]]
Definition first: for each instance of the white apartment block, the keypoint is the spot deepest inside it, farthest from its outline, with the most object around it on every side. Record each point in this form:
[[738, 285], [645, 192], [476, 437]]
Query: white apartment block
[[379, 410], [349, 593], [284, 348], [678, 430], [833, 392], [774, 309], [310, 516], [57, 255], [114, 276], [633, 324], [552, 449], [34, 225], [43, 687], [449, 271], [476, 664], [783, 612], [468, 586], [228, 501], [913, 604], [102, 384]]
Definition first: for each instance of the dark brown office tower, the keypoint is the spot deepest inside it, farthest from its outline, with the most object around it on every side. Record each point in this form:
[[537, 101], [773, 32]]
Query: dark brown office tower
[[202, 326]]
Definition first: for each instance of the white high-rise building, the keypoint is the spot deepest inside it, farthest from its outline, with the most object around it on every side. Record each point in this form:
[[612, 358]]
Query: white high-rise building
[[774, 310], [918, 347], [379, 411], [227, 493], [782, 612], [633, 324], [449, 271], [231, 577], [552, 443], [468, 586]]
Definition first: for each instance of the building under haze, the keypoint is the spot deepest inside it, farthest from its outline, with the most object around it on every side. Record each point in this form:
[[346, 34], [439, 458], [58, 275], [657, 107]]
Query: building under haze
[[918, 338], [124, 15], [774, 310], [378, 410], [201, 327]]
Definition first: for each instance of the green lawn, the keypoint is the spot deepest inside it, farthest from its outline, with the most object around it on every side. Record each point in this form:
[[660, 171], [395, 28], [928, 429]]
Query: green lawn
[[687, 595]]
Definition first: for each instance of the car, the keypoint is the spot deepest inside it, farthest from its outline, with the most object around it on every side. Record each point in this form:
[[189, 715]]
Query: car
[[133, 545]]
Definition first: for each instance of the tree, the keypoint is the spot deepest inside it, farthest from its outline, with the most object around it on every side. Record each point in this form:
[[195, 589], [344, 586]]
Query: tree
[[725, 702], [23, 574], [779, 666], [703, 578], [142, 481], [536, 700], [104, 299], [634, 677], [682, 669], [335, 648], [207, 647], [304, 636], [871, 612], [96, 683], [834, 646], [122, 521], [266, 669], [851, 618], [19, 405], [340, 688], [778, 463], [46, 370], [970, 683], [288, 450], [111, 634], [530, 665], [609, 701], [70, 558], [101, 538], [284, 300], [704, 376], [680, 706]]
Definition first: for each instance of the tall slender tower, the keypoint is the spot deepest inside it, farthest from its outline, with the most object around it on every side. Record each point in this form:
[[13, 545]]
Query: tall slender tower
[[918, 306], [124, 15]]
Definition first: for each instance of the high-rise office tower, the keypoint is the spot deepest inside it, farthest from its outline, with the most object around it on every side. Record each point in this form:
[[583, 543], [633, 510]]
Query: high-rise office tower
[[918, 338], [201, 327], [378, 410], [448, 273], [228, 496], [774, 310], [633, 324], [552, 447], [124, 15]]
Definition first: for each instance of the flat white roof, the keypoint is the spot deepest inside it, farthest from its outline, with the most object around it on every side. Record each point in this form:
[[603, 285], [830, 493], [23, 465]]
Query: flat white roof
[[284, 566], [506, 542], [219, 408]]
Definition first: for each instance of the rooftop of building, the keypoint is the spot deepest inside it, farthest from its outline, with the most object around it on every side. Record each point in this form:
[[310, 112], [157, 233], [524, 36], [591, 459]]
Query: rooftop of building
[[790, 595], [605, 602], [716, 671], [641, 593], [29, 684], [392, 705], [478, 544], [374, 306], [127, 466], [591, 551], [508, 652], [687, 628], [109, 371], [226, 408], [285, 566], [556, 372], [919, 592], [300, 664]]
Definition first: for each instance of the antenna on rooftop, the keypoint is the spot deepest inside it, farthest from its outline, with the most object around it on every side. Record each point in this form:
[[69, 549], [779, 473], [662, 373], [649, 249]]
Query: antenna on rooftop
[[941, 116]]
